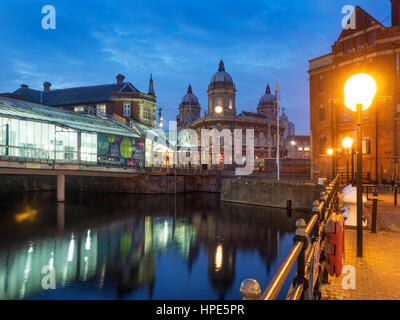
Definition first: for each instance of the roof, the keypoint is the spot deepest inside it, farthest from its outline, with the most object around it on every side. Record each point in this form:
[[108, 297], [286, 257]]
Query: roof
[[79, 95], [12, 108], [252, 114]]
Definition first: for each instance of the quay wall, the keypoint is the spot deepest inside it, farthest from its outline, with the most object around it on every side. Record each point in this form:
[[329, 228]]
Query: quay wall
[[262, 192], [146, 184]]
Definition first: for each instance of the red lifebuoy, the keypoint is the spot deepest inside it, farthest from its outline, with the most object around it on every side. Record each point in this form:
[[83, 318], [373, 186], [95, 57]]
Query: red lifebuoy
[[334, 249]]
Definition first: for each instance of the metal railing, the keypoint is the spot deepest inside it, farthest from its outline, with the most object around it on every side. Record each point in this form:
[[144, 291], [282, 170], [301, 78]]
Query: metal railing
[[307, 251]]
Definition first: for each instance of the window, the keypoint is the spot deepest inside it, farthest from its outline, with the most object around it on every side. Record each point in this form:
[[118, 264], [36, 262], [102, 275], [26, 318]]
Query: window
[[346, 115], [371, 38], [322, 113], [365, 115], [256, 141], [321, 84], [346, 46], [127, 109], [230, 104], [398, 65], [322, 144], [366, 146], [79, 109], [101, 109], [359, 43], [398, 106], [219, 102]]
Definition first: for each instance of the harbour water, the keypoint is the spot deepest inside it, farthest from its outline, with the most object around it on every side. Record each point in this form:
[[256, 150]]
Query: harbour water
[[124, 246]]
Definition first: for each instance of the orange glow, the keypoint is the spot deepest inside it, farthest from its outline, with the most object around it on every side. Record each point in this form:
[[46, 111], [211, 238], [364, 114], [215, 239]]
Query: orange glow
[[347, 143], [29, 215], [359, 89], [330, 152]]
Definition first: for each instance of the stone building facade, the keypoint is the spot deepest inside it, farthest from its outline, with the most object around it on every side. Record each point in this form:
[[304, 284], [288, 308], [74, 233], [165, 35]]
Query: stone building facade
[[221, 114], [370, 48]]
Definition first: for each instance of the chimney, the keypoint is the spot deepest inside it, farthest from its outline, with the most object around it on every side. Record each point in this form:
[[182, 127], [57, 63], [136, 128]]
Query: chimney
[[120, 79], [24, 86], [46, 86], [395, 12]]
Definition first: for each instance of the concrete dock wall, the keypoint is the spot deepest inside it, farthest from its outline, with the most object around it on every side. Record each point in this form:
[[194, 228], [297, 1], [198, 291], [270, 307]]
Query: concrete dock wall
[[146, 184], [271, 194]]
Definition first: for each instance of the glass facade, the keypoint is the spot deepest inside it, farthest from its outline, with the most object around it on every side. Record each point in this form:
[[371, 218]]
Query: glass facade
[[43, 141], [36, 133]]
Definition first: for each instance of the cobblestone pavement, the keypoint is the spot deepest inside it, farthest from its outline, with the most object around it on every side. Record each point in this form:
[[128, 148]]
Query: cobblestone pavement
[[377, 273]]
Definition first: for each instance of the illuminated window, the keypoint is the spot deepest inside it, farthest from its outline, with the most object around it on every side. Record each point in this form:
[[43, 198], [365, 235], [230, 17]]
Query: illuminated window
[[127, 109], [101, 109], [366, 146], [79, 109], [230, 104]]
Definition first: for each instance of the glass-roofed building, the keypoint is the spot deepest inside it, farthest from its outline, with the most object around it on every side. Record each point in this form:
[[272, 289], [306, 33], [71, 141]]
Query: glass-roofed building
[[36, 133]]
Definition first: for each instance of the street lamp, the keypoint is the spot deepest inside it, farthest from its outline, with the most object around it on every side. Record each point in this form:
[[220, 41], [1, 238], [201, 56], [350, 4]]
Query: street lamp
[[359, 91], [331, 153], [347, 144]]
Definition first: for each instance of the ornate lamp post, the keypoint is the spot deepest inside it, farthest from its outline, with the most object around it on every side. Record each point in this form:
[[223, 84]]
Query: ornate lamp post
[[331, 153], [359, 92], [347, 144]]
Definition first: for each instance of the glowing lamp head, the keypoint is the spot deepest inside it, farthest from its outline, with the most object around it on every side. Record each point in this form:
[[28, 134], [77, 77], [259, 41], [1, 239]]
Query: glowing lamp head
[[330, 152], [359, 89], [218, 109], [293, 143], [347, 143]]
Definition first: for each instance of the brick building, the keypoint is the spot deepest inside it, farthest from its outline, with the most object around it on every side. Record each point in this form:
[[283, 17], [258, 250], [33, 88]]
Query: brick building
[[120, 98], [369, 48]]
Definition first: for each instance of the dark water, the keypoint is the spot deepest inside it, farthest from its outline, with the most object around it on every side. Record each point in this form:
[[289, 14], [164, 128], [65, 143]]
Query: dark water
[[137, 246]]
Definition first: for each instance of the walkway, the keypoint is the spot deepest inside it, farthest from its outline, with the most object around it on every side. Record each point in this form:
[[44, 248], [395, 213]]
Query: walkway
[[377, 273]]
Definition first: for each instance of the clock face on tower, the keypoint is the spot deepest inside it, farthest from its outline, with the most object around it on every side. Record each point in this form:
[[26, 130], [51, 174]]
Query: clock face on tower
[[218, 109]]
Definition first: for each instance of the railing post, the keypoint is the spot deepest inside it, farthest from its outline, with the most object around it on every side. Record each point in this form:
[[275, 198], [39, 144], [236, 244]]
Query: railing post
[[316, 210], [301, 260], [374, 211], [250, 289]]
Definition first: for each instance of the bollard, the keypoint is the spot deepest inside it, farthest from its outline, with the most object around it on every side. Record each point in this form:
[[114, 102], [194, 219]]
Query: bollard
[[374, 211], [395, 195], [250, 289]]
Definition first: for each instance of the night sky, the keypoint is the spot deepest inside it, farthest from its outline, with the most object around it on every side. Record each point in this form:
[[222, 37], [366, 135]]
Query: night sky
[[180, 42]]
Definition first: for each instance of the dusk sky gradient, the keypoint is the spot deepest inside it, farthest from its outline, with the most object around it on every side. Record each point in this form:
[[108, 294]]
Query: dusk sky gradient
[[180, 42]]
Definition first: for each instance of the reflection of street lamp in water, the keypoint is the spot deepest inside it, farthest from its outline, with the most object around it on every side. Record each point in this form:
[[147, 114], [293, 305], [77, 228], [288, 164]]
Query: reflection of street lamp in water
[[359, 92]]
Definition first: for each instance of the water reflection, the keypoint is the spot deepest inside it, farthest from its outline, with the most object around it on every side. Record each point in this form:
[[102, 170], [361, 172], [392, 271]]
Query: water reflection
[[138, 247]]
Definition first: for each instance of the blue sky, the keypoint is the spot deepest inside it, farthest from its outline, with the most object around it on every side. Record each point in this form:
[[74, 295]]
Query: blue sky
[[180, 42]]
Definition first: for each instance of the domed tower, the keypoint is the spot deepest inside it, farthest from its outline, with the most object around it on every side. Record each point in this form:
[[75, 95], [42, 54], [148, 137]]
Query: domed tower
[[267, 104], [221, 94], [189, 109]]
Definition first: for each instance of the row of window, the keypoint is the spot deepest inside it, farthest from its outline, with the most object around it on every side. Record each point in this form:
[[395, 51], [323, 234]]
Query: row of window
[[358, 42], [366, 145], [346, 114]]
